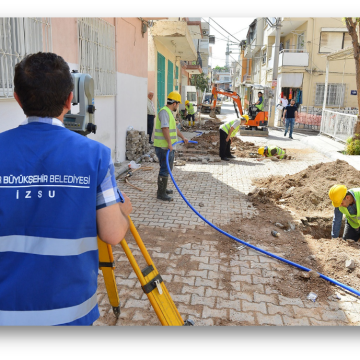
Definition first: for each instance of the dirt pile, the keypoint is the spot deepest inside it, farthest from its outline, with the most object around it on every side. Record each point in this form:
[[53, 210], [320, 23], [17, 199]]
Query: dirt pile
[[306, 191], [210, 142]]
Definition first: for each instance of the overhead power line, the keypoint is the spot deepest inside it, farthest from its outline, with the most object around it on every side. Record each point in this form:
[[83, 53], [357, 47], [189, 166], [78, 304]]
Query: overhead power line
[[233, 42], [225, 30]]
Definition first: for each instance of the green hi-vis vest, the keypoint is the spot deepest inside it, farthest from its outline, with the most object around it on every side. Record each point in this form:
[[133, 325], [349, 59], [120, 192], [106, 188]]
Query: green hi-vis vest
[[159, 138], [279, 151], [353, 220], [190, 108], [261, 106], [226, 127]]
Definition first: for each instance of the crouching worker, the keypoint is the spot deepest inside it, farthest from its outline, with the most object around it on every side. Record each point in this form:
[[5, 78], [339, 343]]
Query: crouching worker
[[273, 151], [346, 202], [227, 132]]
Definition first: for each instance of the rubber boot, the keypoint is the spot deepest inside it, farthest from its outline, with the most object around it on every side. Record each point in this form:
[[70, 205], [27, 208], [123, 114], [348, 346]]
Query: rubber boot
[[161, 193], [168, 191], [189, 123], [193, 123]]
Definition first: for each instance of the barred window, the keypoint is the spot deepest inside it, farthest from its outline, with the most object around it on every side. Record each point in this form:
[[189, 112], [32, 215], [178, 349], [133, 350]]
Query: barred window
[[335, 94], [20, 37], [97, 53]]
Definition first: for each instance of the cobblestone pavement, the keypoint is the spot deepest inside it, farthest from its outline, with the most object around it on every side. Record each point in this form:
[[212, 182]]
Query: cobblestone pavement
[[201, 294]]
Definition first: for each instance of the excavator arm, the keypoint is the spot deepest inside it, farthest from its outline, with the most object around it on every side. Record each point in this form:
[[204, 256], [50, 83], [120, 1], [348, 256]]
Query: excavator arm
[[231, 94]]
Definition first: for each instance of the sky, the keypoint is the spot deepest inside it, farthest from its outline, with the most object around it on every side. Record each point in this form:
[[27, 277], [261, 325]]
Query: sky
[[236, 26]]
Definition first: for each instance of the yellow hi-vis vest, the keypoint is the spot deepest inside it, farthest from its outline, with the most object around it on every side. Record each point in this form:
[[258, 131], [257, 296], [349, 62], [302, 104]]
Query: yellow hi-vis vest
[[279, 151], [190, 108], [159, 138], [353, 220], [226, 127], [261, 106]]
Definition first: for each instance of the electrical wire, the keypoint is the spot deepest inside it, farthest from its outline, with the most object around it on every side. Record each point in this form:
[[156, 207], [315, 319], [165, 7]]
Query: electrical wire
[[225, 30], [303, 268]]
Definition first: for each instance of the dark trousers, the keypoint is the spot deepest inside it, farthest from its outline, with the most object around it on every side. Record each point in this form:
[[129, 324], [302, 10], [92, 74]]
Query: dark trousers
[[350, 232], [224, 146], [161, 154], [150, 125], [189, 117]]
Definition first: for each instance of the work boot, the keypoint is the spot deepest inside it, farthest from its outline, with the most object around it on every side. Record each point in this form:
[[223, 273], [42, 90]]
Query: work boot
[[161, 193], [189, 123], [193, 123], [168, 191]]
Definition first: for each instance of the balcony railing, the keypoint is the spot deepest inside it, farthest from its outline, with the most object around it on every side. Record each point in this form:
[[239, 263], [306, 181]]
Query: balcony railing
[[293, 57]]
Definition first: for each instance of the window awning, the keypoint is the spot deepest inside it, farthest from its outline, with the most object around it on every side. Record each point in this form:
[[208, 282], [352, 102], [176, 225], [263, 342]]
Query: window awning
[[293, 80]]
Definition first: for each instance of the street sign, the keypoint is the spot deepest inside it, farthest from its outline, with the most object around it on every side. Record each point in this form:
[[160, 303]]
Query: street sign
[[353, 92], [273, 84]]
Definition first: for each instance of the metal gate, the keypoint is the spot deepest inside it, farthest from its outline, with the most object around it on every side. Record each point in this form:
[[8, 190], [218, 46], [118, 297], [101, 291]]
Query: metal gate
[[160, 81]]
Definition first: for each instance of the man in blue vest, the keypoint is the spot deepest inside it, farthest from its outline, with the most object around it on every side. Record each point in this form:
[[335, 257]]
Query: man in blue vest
[[58, 192], [166, 134]]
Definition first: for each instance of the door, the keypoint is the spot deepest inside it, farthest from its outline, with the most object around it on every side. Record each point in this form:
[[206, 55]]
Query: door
[[160, 81], [170, 78]]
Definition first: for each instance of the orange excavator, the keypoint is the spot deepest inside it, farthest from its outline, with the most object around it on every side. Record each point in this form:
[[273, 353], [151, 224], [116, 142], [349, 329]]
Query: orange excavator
[[253, 124]]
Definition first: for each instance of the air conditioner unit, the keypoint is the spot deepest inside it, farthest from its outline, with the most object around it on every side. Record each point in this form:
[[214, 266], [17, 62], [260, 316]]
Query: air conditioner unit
[[205, 32]]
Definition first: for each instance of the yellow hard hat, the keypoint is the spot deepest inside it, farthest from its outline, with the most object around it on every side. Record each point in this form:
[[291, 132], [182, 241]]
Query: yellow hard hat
[[174, 95], [261, 150], [186, 102], [337, 194]]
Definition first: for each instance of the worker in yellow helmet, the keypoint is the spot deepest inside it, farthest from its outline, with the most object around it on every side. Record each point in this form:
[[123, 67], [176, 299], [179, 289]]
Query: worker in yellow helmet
[[273, 151], [166, 134], [346, 202], [189, 107]]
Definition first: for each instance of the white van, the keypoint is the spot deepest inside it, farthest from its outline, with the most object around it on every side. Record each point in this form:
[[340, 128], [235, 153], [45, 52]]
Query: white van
[[188, 93]]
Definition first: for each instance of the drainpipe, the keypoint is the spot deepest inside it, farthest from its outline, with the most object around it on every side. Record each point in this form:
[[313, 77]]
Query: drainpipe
[[116, 96], [311, 68]]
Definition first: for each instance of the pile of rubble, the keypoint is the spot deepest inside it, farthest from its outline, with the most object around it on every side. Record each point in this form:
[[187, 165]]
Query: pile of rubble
[[137, 144]]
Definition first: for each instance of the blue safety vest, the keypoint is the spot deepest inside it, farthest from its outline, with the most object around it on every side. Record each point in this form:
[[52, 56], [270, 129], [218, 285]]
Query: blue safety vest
[[48, 236]]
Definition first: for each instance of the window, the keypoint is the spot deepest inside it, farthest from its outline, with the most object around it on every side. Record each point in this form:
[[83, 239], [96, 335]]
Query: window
[[191, 96], [263, 58], [18, 38], [331, 41], [287, 44], [97, 53], [301, 41], [335, 94]]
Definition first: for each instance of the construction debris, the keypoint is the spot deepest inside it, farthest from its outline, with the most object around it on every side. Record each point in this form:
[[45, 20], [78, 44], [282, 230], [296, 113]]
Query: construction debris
[[137, 144]]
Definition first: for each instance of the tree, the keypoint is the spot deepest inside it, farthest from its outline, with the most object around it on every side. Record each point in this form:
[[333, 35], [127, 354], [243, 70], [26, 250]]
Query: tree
[[351, 24], [200, 81], [218, 68]]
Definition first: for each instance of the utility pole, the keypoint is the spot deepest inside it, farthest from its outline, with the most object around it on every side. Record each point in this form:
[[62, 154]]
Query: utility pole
[[272, 120], [227, 54]]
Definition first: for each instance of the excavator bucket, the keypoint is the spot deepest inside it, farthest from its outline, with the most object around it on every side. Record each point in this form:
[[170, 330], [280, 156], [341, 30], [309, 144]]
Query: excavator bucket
[[253, 132], [213, 114]]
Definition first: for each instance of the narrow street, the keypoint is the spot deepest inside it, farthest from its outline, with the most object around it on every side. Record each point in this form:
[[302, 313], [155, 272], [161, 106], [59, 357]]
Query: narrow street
[[212, 279]]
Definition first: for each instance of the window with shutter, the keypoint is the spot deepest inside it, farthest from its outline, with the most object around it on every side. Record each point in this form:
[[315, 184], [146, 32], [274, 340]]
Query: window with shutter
[[331, 41], [335, 94]]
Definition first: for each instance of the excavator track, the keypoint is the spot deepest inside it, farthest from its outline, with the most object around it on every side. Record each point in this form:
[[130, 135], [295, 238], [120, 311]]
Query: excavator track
[[253, 132]]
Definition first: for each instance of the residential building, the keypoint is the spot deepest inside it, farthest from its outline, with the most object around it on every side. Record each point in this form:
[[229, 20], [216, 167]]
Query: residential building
[[112, 50], [304, 42], [172, 56]]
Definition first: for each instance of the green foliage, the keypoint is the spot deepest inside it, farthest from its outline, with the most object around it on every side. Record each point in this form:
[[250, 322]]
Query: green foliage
[[218, 68], [200, 81], [353, 145]]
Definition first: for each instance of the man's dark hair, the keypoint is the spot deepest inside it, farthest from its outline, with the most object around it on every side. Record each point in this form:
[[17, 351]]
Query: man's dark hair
[[43, 83], [260, 93]]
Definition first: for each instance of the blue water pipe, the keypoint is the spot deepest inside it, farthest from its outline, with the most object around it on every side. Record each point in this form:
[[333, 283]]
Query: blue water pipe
[[199, 133], [245, 243]]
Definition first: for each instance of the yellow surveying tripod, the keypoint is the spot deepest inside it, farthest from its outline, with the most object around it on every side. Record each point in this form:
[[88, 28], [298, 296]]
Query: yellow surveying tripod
[[150, 280]]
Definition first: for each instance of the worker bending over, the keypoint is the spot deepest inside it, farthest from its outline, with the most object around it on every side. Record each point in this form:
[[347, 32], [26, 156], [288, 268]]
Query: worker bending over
[[273, 151], [227, 132], [166, 134], [346, 202], [189, 107]]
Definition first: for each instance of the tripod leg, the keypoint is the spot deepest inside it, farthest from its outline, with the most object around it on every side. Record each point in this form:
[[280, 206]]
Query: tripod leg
[[107, 266]]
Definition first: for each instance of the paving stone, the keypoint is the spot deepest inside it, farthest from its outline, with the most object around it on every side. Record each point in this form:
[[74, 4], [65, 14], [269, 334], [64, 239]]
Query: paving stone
[[230, 269], [269, 319], [200, 290], [200, 247], [230, 304], [248, 306], [188, 310], [289, 321], [126, 282], [310, 313], [258, 265], [259, 288], [281, 310], [190, 280], [203, 266], [203, 282], [203, 259], [241, 278], [247, 271], [224, 294], [290, 301], [334, 315], [201, 273], [171, 270], [132, 303], [202, 300], [242, 317], [203, 322], [315, 322], [266, 298], [241, 296], [181, 298], [260, 280], [213, 313], [353, 317]]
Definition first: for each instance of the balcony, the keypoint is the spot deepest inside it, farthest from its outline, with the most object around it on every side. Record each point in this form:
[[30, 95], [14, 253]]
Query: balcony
[[176, 37], [192, 67], [246, 78], [294, 57]]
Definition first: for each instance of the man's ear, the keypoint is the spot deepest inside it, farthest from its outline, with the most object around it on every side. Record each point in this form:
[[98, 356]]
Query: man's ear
[[69, 100], [17, 99]]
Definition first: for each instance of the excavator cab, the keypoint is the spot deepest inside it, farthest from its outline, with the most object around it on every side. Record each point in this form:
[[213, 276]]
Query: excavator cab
[[257, 125]]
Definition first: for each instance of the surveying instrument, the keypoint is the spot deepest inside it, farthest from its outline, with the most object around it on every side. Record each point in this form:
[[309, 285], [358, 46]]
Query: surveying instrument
[[151, 281]]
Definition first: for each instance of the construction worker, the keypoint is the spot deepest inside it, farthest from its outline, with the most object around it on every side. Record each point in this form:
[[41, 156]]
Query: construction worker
[[347, 202], [258, 106], [190, 112], [273, 151], [58, 192], [166, 134], [227, 132]]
